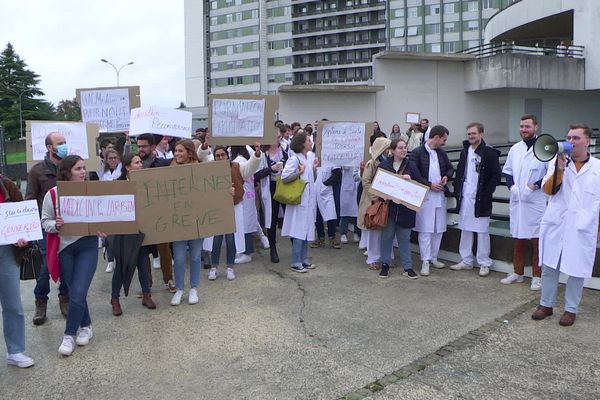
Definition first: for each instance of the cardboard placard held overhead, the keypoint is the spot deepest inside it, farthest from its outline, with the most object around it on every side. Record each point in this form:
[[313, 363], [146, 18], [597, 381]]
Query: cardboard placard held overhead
[[184, 202], [343, 144], [111, 202], [238, 119], [410, 193], [78, 136], [413, 118], [161, 121], [108, 107]]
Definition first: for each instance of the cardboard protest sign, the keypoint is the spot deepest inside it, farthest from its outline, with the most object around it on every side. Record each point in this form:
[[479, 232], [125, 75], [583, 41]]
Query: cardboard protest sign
[[343, 144], [184, 202], [238, 119], [413, 118], [81, 139], [401, 191], [108, 107], [19, 220], [160, 121], [93, 206]]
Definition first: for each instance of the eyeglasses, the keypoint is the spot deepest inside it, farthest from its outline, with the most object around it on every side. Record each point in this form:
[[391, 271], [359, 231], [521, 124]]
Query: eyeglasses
[[112, 158]]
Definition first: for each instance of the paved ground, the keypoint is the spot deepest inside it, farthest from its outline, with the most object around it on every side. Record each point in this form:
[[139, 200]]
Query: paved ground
[[327, 334]]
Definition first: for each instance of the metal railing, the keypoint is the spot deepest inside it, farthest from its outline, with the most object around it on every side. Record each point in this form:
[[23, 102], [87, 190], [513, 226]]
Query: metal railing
[[494, 48]]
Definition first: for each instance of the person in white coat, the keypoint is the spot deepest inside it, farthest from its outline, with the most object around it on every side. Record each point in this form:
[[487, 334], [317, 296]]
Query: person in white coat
[[327, 178], [569, 227], [349, 203], [523, 173], [298, 221], [436, 170]]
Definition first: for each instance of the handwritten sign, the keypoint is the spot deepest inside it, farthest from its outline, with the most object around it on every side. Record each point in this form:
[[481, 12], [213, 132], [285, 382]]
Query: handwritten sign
[[93, 206], [342, 144], [401, 191], [108, 108], [161, 121], [184, 202], [413, 118], [75, 133], [92, 209], [19, 220]]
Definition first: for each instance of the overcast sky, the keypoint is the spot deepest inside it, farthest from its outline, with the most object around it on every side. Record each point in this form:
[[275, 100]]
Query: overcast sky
[[64, 40]]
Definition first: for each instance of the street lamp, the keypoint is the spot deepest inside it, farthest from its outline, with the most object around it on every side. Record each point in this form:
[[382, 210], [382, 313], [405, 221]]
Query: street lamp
[[20, 94], [118, 71]]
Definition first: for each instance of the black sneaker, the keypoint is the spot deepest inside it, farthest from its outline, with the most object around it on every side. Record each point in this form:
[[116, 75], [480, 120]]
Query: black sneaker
[[411, 274], [385, 269], [299, 268]]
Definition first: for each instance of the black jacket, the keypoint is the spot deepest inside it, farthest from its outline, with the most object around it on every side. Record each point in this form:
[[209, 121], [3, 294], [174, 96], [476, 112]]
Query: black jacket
[[490, 174], [420, 157], [263, 173], [398, 213]]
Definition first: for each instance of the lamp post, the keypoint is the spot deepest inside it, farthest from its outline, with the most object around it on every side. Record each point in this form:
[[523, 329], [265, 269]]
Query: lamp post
[[20, 94], [118, 71]]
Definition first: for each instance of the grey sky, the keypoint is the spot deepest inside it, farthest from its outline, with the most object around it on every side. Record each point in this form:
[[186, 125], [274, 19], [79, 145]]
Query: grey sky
[[64, 40]]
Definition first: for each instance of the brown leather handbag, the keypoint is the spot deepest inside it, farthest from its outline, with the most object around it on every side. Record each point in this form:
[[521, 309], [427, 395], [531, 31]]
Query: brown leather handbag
[[376, 216]]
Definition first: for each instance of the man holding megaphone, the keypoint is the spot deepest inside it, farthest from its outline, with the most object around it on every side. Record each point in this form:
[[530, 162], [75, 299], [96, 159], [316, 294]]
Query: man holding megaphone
[[524, 173], [569, 227]]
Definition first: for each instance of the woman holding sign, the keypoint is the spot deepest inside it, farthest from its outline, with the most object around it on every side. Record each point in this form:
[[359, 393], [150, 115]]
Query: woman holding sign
[[10, 295], [78, 259]]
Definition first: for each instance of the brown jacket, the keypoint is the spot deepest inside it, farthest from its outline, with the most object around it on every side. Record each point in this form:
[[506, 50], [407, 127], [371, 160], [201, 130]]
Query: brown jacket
[[41, 178], [238, 183], [12, 194]]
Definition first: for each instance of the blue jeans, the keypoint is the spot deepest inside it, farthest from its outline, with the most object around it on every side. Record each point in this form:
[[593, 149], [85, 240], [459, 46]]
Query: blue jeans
[[299, 252], [77, 267], [180, 248], [319, 224], [109, 253], [573, 289], [344, 225], [13, 317], [387, 239], [229, 246], [249, 241], [42, 284], [143, 269]]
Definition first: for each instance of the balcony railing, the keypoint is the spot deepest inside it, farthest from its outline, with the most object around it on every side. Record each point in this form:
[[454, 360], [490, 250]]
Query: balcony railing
[[491, 49]]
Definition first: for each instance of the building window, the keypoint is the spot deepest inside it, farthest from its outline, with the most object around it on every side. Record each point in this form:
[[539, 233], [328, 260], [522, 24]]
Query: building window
[[412, 31], [450, 47], [433, 28], [449, 8], [449, 27], [349, 19], [434, 9], [413, 12], [473, 25], [435, 48], [399, 13], [471, 6], [213, 5], [399, 32]]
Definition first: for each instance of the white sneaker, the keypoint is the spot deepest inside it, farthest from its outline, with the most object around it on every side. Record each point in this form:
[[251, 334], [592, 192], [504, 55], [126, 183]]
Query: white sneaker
[[85, 334], [366, 253], [242, 259], [212, 274], [437, 264], [459, 266], [536, 284], [156, 263], [356, 238], [344, 239], [230, 274], [19, 359], [176, 300], [512, 278], [484, 271], [264, 241], [67, 346], [193, 297], [110, 266], [425, 268]]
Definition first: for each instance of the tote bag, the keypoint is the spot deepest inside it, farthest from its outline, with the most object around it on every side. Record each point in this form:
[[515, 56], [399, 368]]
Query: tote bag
[[52, 246]]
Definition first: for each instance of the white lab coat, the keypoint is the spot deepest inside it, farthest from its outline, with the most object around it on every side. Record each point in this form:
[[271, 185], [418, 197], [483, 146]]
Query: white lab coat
[[325, 200], [299, 220], [245, 211], [569, 227], [111, 176], [348, 192], [526, 206], [265, 192], [432, 217], [466, 218]]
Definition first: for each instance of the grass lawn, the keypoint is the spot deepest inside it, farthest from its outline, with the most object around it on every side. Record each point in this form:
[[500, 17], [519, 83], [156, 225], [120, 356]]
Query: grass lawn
[[16, 158]]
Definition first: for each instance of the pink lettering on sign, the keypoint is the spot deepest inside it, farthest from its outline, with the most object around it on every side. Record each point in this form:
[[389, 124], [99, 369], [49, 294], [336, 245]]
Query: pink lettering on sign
[[91, 209]]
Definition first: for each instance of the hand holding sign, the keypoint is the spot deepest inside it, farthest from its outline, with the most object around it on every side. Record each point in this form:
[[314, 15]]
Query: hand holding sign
[[257, 149], [21, 243]]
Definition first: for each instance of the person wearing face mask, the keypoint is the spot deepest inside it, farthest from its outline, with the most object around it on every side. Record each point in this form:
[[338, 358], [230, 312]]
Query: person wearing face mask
[[41, 178]]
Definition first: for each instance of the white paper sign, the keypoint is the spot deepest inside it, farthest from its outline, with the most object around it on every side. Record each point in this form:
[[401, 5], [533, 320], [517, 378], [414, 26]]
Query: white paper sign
[[108, 108], [20, 220], [75, 133], [91, 209], [402, 191], [161, 121], [343, 144], [238, 117], [413, 118]]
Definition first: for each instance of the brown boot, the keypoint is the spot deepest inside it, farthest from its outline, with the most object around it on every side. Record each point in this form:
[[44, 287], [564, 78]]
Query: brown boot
[[40, 312], [148, 302], [567, 319], [116, 307], [63, 303], [541, 312]]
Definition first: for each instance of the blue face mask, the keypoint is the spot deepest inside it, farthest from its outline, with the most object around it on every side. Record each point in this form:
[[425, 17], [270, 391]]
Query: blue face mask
[[62, 151]]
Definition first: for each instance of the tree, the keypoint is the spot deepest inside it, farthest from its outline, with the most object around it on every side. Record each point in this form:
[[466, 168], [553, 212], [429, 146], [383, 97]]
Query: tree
[[16, 80], [68, 110]]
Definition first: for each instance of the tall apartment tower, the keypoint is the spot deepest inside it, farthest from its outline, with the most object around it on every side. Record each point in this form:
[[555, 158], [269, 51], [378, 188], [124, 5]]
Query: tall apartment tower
[[254, 46]]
